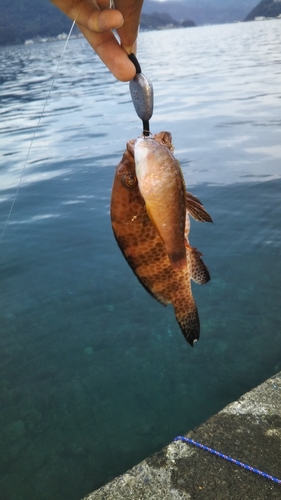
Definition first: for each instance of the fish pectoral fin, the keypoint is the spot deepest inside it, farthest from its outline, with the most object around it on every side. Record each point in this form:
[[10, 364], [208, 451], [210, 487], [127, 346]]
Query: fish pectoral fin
[[196, 209], [199, 271], [188, 320]]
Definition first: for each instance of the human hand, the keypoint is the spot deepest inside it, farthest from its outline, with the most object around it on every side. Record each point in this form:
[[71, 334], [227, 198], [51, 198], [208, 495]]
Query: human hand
[[96, 21]]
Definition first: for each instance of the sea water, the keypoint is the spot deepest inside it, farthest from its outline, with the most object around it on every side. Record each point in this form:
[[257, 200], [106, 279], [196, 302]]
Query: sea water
[[95, 375]]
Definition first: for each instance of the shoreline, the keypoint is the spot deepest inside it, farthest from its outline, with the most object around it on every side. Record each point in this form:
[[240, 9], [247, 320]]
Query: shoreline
[[248, 430]]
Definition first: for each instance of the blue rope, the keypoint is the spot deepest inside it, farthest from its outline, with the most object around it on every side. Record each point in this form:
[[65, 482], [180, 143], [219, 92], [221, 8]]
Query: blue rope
[[236, 462]]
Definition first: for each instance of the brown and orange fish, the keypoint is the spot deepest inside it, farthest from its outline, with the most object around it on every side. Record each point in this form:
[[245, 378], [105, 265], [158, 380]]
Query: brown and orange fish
[[159, 255]]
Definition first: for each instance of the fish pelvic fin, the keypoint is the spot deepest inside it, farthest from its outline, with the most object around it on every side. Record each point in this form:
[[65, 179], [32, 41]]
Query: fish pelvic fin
[[196, 209], [199, 271], [188, 320]]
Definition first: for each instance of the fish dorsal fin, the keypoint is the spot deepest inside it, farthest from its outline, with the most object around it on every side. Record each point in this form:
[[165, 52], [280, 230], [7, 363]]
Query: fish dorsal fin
[[196, 209], [199, 272]]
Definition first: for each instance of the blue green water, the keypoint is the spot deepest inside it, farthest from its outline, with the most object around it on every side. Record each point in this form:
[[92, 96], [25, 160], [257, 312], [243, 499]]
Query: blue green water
[[94, 374]]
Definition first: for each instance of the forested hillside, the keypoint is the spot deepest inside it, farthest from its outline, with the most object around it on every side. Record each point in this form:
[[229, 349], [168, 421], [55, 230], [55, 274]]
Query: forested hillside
[[21, 20], [27, 19], [266, 8], [24, 19]]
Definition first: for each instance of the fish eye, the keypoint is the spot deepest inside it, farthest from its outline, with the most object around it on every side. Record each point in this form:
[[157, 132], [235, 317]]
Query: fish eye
[[128, 180]]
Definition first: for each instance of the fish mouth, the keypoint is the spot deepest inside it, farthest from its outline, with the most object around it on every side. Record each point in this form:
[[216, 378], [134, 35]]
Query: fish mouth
[[144, 141], [163, 138]]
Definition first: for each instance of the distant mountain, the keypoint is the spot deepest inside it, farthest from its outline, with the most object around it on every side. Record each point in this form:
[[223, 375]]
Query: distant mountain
[[22, 20], [159, 20], [202, 11], [26, 19], [266, 8]]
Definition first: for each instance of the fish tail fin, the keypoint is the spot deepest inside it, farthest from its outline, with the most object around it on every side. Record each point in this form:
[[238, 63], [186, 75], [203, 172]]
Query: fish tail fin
[[188, 320]]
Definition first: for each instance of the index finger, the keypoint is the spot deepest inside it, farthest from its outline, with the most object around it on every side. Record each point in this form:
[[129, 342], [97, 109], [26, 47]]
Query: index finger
[[95, 16], [111, 53]]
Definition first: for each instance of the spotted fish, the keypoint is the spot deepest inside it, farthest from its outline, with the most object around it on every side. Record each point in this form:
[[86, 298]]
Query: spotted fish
[[144, 248]]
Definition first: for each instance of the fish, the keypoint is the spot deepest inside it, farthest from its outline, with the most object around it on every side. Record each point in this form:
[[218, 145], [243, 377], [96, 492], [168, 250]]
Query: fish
[[162, 187], [144, 249]]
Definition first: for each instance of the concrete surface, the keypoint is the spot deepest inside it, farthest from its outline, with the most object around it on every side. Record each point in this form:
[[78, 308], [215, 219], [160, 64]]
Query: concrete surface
[[248, 430]]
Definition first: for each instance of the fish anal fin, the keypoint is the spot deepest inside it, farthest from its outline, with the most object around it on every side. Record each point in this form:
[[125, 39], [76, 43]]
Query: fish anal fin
[[196, 209], [199, 271]]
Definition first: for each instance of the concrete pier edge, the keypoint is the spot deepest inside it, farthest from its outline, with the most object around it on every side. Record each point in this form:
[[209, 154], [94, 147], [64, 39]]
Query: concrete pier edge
[[248, 430]]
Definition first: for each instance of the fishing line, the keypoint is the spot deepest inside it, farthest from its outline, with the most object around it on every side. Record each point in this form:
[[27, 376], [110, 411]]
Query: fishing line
[[36, 130]]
